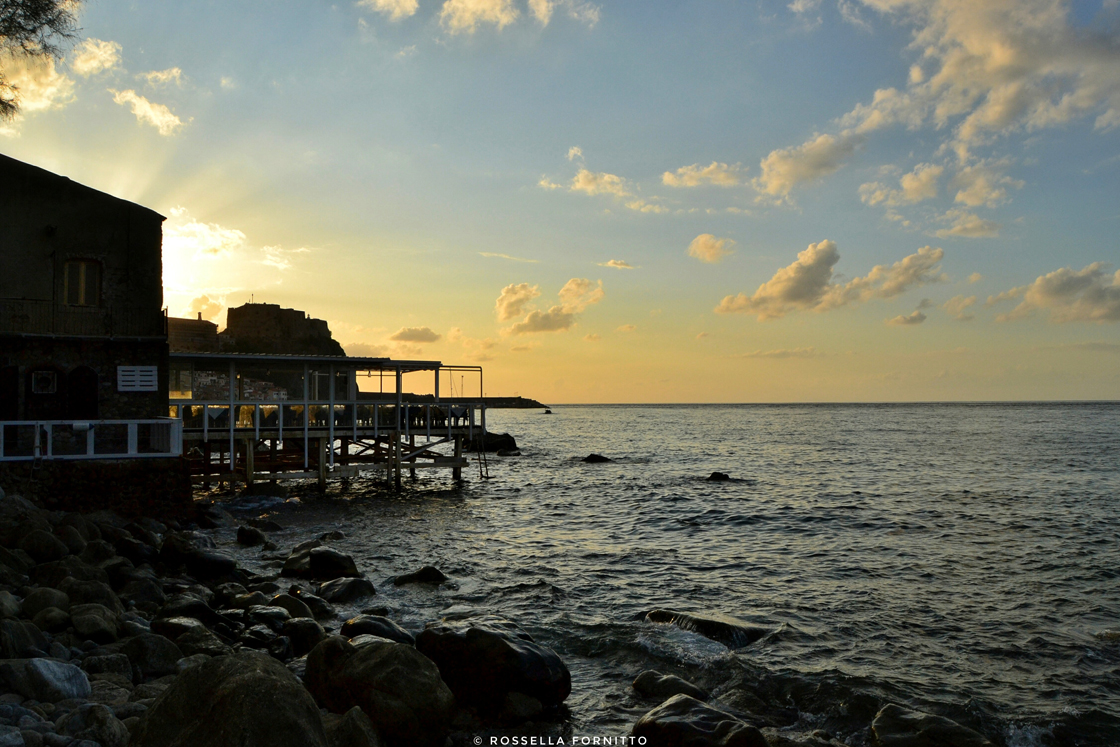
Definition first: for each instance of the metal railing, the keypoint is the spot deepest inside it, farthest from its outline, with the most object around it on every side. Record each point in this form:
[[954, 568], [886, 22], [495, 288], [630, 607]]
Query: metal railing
[[29, 316], [27, 440]]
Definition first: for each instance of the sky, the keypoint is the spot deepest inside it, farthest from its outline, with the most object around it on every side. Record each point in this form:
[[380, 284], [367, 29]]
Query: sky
[[606, 201]]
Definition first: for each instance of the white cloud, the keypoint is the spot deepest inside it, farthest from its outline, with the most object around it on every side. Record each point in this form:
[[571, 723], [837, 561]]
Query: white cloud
[[542, 11], [210, 308], [968, 225], [920, 184], [785, 168], [809, 352], [555, 319], [159, 78], [495, 255], [583, 12], [95, 56], [157, 115], [601, 183], [618, 264], [984, 184], [414, 334], [576, 295], [227, 83], [514, 299], [579, 293], [367, 350], [1087, 295], [186, 236], [40, 86], [280, 258], [908, 320], [718, 174], [592, 338], [957, 306], [575, 152], [807, 283], [627, 328], [395, 10], [707, 248], [464, 16], [975, 278]]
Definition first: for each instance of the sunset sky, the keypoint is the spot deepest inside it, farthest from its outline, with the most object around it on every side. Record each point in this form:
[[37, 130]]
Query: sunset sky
[[604, 201]]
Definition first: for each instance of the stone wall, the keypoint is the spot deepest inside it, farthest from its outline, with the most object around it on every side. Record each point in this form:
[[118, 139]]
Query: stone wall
[[267, 328], [128, 487]]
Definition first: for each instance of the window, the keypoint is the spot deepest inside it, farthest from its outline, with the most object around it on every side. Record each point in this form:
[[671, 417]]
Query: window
[[137, 379], [81, 283]]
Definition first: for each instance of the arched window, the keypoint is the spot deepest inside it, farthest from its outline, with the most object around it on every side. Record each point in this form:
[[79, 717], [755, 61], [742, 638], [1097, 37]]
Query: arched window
[[81, 283]]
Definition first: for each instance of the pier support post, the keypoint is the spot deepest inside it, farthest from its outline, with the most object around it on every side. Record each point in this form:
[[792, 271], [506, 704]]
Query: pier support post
[[322, 465], [457, 470], [397, 459], [412, 448], [250, 466]]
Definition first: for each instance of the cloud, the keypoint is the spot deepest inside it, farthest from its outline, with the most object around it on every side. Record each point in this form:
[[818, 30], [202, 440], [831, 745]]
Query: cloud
[[366, 350], [984, 184], [920, 184], [415, 334], [958, 305], [702, 335], [618, 264], [575, 152], [782, 353], [278, 257], [542, 11], [718, 174], [95, 56], [579, 293], [601, 183], [227, 83], [785, 168], [909, 320], [975, 278], [555, 319], [157, 115], [464, 16], [645, 207], [514, 299], [395, 10], [968, 225], [1087, 295], [494, 255], [576, 295], [210, 308], [185, 235], [627, 328], [707, 248], [806, 285], [592, 338], [40, 86], [159, 78]]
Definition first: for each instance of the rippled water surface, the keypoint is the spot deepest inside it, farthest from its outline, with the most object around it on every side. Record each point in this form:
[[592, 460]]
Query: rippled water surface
[[961, 559]]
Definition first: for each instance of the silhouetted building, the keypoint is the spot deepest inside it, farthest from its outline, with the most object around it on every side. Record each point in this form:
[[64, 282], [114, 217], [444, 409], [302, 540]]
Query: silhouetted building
[[192, 335], [267, 328]]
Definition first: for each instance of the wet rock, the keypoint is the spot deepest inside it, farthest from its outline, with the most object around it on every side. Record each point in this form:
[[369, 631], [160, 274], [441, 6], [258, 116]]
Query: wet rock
[[196, 552], [250, 536], [253, 599], [299, 561], [20, 640], [320, 608], [352, 729], [95, 722], [519, 708], [343, 590], [108, 693], [683, 720], [146, 591], [427, 575], [397, 687], [280, 648], [265, 525], [43, 546], [52, 620], [273, 617], [246, 699], [596, 459], [199, 640], [152, 655], [654, 684], [70, 567], [72, 538], [44, 597], [108, 664], [326, 562], [730, 634], [492, 442], [304, 634], [137, 551], [483, 660], [376, 625], [94, 622], [719, 477], [189, 605], [10, 605], [194, 660], [508, 453], [44, 680], [295, 607], [91, 592], [258, 636], [97, 552], [173, 627], [895, 726]]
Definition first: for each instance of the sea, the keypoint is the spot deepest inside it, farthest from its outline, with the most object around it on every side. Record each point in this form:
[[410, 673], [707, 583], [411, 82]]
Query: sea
[[956, 559]]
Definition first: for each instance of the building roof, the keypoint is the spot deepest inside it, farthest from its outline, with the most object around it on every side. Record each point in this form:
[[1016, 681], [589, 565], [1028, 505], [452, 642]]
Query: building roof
[[358, 363], [13, 168]]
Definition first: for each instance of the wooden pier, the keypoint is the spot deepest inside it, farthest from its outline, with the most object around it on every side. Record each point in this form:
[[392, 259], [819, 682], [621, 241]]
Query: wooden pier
[[251, 418]]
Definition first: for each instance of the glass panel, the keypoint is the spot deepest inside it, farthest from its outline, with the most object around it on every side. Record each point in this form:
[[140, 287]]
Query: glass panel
[[210, 384], [91, 288], [111, 438], [293, 416], [267, 384], [245, 416]]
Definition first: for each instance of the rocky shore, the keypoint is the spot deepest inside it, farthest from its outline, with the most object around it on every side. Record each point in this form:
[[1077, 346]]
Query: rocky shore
[[143, 632]]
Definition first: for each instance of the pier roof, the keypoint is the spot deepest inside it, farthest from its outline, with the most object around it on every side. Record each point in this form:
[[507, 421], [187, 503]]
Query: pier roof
[[355, 362]]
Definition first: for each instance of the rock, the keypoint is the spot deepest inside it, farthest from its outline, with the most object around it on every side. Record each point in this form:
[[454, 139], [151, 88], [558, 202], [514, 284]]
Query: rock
[[173, 627], [320, 608], [483, 660], [52, 620], [194, 660], [95, 722], [683, 720], [596, 459], [152, 654], [17, 559], [426, 575], [44, 680], [253, 599], [250, 536], [210, 564], [299, 561], [10, 605], [273, 617], [326, 562], [258, 636], [520, 708], [245, 699], [396, 686], [280, 648], [492, 442], [199, 640], [43, 546], [508, 453], [719, 477], [97, 551], [143, 590], [343, 590], [94, 622], [137, 551], [21, 640], [376, 625], [295, 607], [657, 685], [304, 634], [267, 525], [72, 538], [108, 664], [730, 634], [352, 729], [108, 693], [91, 592], [44, 597], [895, 726], [189, 605], [196, 552], [70, 567], [212, 517]]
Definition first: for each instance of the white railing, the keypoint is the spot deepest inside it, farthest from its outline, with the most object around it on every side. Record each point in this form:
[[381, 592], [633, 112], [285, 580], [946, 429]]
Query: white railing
[[27, 440]]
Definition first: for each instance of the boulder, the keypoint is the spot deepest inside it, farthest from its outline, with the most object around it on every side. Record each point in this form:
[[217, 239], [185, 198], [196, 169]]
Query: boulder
[[10, 605], [519, 708], [143, 590], [44, 597], [731, 634], [43, 546], [895, 726], [304, 634], [273, 617], [683, 720], [97, 552], [250, 536], [320, 608], [70, 537], [94, 622], [295, 607], [199, 640], [485, 659], [137, 551], [376, 625], [52, 620], [397, 687], [299, 560], [343, 590], [492, 442], [352, 729], [596, 459], [108, 664], [21, 640], [70, 567], [190, 605], [44, 680], [245, 699], [719, 477], [152, 655], [91, 592], [326, 562], [657, 685], [196, 552], [108, 693], [429, 574], [173, 627]]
